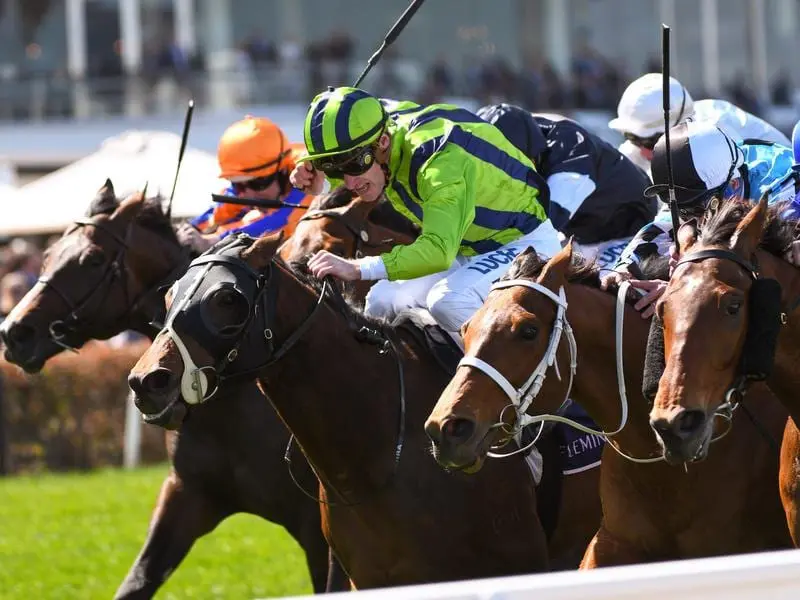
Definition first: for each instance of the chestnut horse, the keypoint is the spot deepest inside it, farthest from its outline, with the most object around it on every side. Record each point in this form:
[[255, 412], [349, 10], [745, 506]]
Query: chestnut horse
[[651, 511], [109, 274], [355, 394], [722, 313]]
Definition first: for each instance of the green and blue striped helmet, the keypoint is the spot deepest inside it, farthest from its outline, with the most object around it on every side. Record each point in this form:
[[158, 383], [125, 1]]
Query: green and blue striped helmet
[[340, 120]]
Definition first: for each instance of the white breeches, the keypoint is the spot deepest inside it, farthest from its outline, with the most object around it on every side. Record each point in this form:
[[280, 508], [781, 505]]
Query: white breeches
[[453, 296]]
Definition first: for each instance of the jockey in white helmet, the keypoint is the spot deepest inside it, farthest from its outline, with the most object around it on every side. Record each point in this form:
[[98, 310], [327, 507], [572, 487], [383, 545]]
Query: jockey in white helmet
[[640, 117]]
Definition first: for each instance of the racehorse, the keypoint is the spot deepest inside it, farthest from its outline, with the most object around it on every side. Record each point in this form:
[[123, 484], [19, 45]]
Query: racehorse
[[354, 393], [731, 301], [652, 511], [108, 274]]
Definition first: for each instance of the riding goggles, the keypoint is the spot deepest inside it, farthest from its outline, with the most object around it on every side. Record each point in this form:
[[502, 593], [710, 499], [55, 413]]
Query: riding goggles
[[353, 162], [647, 143], [257, 184]]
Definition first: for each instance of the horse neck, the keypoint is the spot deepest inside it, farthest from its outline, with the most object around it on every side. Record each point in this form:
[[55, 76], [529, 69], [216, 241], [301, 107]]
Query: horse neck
[[338, 396], [785, 379], [153, 258], [596, 386]]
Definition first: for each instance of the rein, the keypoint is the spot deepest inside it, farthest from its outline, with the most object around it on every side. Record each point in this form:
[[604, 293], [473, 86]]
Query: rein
[[361, 235], [195, 387], [60, 329], [522, 398]]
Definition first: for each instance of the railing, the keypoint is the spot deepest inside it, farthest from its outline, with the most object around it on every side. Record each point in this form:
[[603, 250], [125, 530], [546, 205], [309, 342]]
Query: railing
[[773, 575], [229, 83]]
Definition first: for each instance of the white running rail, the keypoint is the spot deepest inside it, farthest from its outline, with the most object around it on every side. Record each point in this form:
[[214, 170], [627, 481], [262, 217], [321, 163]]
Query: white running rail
[[761, 576]]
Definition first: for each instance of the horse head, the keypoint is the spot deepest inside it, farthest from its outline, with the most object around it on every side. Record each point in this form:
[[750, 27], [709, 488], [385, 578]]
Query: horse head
[[219, 324], [720, 318], [519, 325], [100, 278]]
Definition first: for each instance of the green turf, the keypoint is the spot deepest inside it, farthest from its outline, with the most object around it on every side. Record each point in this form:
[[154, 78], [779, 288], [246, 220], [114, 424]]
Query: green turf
[[76, 535]]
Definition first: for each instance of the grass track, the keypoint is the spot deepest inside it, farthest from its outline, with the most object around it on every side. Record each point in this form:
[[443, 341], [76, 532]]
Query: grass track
[[75, 536]]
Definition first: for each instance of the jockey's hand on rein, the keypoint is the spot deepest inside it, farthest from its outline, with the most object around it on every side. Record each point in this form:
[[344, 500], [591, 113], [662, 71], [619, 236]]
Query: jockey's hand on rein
[[793, 254], [614, 278], [323, 263], [653, 289]]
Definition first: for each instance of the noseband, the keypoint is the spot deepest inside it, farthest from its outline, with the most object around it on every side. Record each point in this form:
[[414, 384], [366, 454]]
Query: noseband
[[60, 329], [360, 235], [195, 387]]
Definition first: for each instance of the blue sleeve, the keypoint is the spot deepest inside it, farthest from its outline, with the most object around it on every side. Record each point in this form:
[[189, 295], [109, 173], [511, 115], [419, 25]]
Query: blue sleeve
[[203, 219], [271, 221]]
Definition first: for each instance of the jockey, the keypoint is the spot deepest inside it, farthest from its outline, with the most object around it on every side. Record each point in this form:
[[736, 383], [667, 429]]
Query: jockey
[[706, 163], [478, 199], [640, 117], [256, 157], [596, 193]]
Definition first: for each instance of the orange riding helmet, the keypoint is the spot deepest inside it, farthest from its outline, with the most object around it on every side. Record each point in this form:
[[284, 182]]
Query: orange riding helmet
[[255, 147]]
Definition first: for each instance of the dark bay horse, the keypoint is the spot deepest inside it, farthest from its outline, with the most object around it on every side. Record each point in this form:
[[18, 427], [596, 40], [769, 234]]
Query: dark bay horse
[[109, 274], [651, 511], [724, 315], [355, 394]]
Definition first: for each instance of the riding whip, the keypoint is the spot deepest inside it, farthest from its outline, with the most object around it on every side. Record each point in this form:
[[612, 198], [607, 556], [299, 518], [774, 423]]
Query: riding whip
[[390, 37], [186, 124], [393, 34], [259, 202], [673, 203]]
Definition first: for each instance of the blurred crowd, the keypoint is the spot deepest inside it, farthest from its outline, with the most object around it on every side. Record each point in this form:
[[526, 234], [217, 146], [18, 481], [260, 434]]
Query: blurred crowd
[[20, 263], [259, 70]]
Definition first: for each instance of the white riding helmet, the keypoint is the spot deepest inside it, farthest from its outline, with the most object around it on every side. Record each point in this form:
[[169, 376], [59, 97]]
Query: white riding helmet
[[641, 111]]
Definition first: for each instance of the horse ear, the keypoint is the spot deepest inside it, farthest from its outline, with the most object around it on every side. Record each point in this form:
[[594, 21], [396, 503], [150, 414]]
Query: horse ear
[[263, 250], [687, 234], [105, 201], [555, 271], [750, 229]]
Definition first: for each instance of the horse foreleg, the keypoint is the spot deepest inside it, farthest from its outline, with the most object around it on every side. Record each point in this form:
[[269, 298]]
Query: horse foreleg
[[789, 479], [605, 550], [181, 516]]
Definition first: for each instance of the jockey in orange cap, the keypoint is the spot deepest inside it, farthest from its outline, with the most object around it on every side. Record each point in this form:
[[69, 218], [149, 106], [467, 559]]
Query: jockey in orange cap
[[256, 157]]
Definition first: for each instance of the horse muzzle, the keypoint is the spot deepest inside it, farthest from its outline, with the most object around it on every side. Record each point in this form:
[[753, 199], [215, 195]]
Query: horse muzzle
[[684, 435], [157, 395]]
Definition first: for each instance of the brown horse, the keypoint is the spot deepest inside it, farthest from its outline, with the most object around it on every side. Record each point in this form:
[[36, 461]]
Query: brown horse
[[650, 511], [355, 394], [722, 313], [216, 470]]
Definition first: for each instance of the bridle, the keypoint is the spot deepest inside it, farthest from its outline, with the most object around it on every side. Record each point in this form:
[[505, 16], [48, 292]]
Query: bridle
[[522, 397], [360, 234], [262, 314], [735, 393], [81, 311]]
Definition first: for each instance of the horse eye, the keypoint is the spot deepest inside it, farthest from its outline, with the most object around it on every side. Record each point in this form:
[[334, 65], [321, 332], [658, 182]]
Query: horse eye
[[528, 332], [733, 308]]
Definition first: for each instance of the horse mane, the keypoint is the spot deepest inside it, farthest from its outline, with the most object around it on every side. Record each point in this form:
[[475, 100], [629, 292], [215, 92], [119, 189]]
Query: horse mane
[[149, 213], [349, 308], [336, 198], [383, 215], [720, 223], [529, 265]]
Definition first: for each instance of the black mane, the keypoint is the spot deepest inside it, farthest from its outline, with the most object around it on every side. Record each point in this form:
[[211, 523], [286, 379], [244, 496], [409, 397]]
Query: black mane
[[529, 265], [720, 224]]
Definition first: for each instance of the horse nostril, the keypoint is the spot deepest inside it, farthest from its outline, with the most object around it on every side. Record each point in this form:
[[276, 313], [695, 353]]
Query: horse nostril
[[17, 334], [688, 422], [683, 426], [156, 381], [458, 430]]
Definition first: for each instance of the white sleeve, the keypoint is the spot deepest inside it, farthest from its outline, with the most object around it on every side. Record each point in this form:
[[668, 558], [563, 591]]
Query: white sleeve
[[569, 190]]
